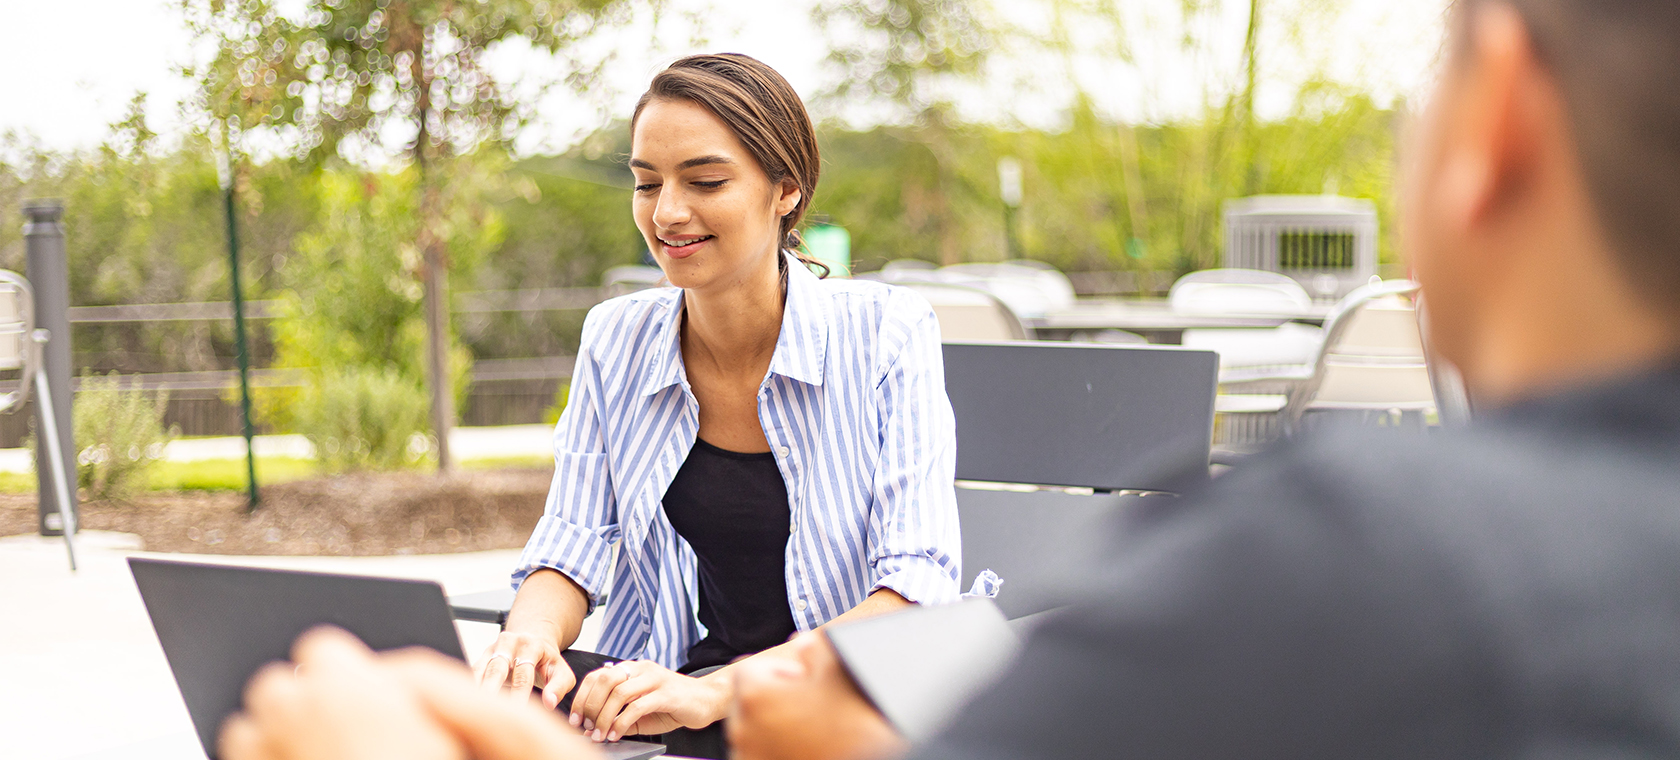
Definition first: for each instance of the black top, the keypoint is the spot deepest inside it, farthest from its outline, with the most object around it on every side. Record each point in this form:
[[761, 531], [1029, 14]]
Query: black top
[[1508, 590], [733, 510]]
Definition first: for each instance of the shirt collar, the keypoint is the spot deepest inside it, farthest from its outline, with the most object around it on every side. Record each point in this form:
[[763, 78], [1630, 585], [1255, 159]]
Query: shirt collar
[[800, 346]]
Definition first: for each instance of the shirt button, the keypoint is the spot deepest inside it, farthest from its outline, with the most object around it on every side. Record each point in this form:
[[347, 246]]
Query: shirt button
[[799, 605], [782, 451], [793, 527]]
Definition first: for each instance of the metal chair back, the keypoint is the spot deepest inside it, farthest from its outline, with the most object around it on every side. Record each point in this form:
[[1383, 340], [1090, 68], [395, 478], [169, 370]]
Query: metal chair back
[[1238, 291], [969, 314], [1373, 359]]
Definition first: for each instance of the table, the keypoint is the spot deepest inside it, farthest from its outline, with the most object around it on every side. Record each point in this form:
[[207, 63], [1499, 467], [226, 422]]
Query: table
[[1153, 318], [482, 607]]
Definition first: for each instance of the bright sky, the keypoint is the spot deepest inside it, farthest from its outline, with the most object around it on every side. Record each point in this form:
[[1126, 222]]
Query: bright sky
[[74, 64]]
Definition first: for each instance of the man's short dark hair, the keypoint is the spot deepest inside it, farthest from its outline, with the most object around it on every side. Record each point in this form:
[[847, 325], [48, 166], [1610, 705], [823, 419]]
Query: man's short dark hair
[[1618, 64]]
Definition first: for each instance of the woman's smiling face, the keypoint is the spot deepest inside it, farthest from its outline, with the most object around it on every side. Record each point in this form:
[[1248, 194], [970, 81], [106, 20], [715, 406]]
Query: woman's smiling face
[[710, 214]]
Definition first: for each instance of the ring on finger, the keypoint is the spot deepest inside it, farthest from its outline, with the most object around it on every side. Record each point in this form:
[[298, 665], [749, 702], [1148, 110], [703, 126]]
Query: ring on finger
[[522, 661]]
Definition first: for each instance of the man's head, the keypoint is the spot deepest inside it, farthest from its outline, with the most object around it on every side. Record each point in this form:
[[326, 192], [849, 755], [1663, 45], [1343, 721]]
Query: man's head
[[1542, 204]]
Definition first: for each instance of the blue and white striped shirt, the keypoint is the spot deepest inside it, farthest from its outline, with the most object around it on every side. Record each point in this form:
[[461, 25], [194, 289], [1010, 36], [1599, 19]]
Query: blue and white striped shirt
[[854, 408]]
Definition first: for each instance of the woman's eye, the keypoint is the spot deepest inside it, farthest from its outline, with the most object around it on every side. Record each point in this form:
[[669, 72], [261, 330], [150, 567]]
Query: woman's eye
[[646, 188], [711, 184]]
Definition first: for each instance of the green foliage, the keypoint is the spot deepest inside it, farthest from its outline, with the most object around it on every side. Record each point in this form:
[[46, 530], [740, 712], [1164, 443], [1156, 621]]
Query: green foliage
[[364, 418], [900, 51], [120, 435], [552, 414], [352, 305], [333, 75]]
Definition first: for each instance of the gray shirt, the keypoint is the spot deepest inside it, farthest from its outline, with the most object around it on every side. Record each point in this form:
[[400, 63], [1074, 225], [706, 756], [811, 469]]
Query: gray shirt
[[1507, 590]]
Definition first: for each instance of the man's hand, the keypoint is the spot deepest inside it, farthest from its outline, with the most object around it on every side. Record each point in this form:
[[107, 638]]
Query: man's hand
[[805, 708], [342, 701], [335, 702], [641, 697]]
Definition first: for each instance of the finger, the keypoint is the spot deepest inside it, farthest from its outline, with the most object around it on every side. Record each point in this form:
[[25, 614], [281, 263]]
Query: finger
[[561, 679], [625, 724], [495, 671], [271, 692], [629, 690], [331, 648], [483, 721], [240, 739], [595, 689], [479, 667], [523, 678]]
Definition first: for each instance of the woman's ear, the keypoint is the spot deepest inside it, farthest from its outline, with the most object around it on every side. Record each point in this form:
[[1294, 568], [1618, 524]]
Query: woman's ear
[[789, 198]]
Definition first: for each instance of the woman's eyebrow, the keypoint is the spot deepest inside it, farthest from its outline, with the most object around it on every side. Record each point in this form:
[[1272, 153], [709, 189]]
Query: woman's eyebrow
[[704, 160], [636, 163]]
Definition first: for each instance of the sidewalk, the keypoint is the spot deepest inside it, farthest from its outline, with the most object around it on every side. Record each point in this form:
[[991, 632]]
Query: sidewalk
[[465, 442], [81, 672]]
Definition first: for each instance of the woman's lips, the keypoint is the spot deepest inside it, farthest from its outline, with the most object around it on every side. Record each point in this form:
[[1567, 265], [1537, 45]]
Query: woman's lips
[[685, 251]]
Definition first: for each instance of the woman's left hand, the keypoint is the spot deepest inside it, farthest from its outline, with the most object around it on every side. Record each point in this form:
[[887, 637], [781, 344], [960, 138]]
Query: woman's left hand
[[641, 697]]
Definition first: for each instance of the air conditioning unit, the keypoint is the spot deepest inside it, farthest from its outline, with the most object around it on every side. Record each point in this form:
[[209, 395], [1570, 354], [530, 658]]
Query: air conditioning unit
[[1325, 242]]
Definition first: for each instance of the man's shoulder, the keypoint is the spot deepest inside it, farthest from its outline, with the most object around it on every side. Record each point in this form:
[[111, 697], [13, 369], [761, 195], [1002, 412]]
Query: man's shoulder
[[1504, 506]]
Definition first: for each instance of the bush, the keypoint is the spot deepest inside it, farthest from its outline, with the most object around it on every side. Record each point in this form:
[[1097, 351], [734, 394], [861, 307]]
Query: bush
[[119, 434], [552, 414], [364, 418]]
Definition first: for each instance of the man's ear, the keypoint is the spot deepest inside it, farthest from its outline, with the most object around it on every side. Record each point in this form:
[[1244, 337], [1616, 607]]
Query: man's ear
[[1492, 158]]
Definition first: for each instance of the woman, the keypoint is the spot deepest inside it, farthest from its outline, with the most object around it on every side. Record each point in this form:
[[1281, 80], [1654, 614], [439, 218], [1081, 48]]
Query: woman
[[770, 451]]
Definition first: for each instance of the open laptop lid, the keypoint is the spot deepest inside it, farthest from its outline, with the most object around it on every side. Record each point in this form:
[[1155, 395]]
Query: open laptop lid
[[219, 623], [921, 665], [1057, 414]]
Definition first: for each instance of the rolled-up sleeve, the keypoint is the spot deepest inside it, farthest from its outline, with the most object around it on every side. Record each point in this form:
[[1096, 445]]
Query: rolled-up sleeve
[[580, 522], [915, 541]]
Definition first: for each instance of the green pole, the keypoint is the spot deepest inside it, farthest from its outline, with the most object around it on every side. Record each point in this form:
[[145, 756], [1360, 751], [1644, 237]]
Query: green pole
[[241, 349]]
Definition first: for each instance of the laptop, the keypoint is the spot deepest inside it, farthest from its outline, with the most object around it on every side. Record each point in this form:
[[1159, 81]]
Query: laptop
[[218, 624], [921, 665], [1112, 418]]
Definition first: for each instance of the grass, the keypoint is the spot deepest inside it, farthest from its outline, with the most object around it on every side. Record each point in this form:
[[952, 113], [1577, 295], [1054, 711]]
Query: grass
[[229, 474], [502, 463]]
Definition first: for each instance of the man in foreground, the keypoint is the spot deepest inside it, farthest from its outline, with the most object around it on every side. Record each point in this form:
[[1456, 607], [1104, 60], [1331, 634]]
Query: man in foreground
[[1512, 589]]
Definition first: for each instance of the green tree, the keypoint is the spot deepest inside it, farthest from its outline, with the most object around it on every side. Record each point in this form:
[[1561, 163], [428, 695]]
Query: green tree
[[361, 78], [901, 60]]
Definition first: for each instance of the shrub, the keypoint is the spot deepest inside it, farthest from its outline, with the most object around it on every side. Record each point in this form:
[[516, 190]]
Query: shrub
[[552, 414], [119, 434], [364, 418]]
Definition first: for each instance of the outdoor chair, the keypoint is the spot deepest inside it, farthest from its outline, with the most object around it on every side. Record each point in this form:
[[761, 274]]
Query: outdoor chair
[[905, 267], [968, 314], [1053, 440], [631, 277], [1238, 291], [1373, 363], [21, 348], [1030, 288], [1258, 367]]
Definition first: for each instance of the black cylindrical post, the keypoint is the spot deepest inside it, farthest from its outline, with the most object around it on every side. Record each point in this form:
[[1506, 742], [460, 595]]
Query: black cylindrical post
[[241, 348], [49, 276]]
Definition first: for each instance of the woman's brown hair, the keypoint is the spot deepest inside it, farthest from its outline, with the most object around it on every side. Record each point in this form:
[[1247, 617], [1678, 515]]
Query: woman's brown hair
[[763, 111]]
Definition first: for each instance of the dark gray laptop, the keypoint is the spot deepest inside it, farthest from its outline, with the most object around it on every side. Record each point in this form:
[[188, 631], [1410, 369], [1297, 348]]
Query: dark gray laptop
[[1105, 417], [919, 666], [219, 623]]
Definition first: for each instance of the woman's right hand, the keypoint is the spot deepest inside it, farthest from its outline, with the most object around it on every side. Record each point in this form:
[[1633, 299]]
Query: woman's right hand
[[521, 661]]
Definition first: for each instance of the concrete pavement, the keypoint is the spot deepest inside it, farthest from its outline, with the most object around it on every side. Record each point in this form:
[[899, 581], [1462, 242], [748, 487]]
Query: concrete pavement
[[81, 672]]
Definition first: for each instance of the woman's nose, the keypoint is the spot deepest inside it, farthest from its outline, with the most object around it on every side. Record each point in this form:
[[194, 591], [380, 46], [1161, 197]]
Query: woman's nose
[[670, 210]]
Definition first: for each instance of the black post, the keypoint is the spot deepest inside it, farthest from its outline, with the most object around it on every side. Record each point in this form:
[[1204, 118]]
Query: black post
[[49, 275], [241, 347]]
